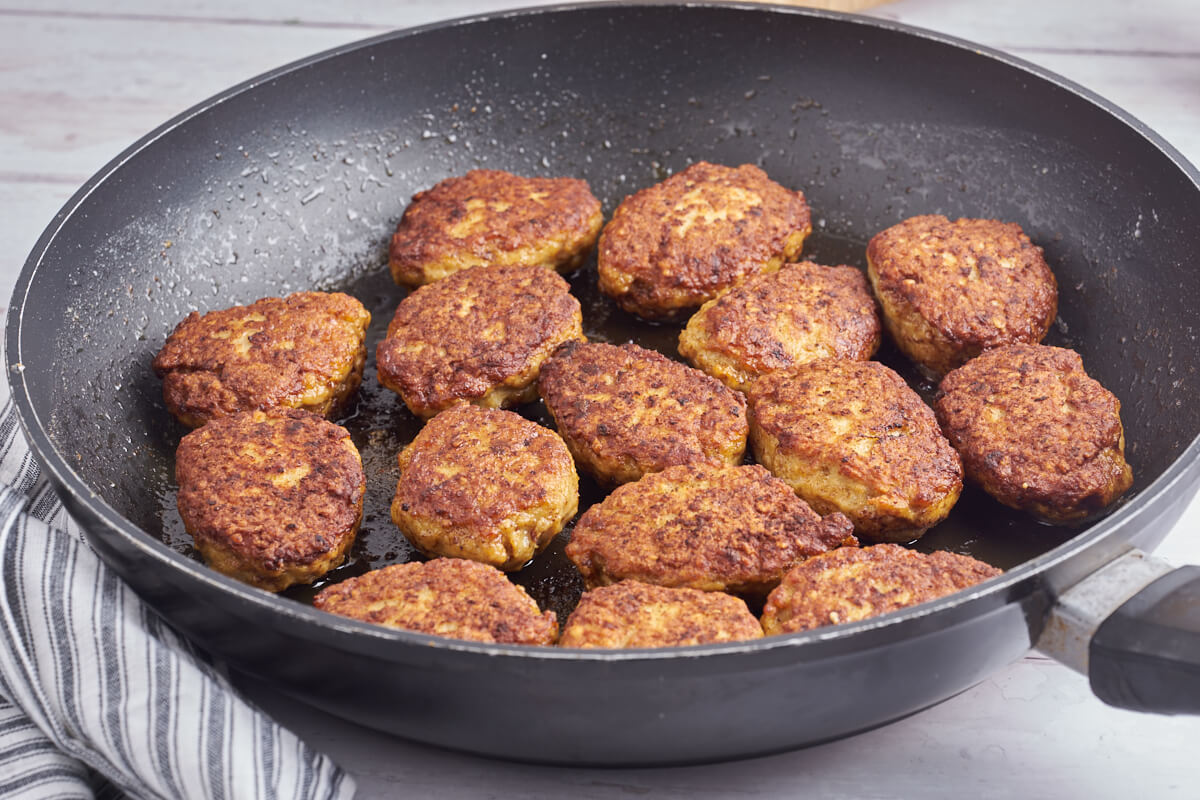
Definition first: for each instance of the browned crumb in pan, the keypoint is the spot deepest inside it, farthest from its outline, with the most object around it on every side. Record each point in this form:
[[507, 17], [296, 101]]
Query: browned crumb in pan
[[449, 597], [851, 436], [272, 498], [735, 529], [851, 584], [950, 290], [626, 411], [494, 218], [485, 484], [305, 351], [1036, 432], [773, 321], [636, 614], [673, 246], [479, 336]]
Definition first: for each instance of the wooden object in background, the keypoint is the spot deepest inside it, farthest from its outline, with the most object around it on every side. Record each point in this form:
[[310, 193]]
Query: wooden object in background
[[832, 5]]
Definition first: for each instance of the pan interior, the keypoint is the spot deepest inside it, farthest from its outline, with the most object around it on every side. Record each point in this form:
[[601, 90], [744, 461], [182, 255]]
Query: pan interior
[[297, 183]]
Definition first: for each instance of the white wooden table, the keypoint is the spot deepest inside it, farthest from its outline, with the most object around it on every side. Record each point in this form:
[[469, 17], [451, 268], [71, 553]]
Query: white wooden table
[[79, 81]]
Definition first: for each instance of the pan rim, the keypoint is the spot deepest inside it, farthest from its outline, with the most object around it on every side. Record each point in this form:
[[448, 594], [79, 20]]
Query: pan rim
[[355, 635]]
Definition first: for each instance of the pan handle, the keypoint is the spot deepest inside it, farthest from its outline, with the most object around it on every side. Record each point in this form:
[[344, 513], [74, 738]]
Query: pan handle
[[1133, 627]]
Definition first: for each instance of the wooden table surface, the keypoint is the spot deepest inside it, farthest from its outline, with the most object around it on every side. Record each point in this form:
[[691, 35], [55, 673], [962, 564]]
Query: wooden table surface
[[79, 81]]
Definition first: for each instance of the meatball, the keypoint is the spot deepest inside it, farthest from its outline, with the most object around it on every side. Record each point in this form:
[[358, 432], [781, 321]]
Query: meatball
[[850, 584], [494, 218], [675, 245], [851, 436], [485, 484], [625, 411], [305, 351], [775, 320], [636, 614], [1035, 431], [272, 498], [950, 290], [735, 529], [479, 336], [448, 597]]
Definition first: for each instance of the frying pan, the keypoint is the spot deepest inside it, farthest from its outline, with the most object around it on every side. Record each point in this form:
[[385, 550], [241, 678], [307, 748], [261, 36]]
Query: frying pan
[[294, 180]]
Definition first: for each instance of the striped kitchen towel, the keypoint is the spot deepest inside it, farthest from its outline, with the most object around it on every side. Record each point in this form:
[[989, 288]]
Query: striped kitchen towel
[[98, 696]]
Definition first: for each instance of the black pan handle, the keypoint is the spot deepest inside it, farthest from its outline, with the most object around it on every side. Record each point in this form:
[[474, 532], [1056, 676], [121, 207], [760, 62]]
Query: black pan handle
[[1133, 628], [1146, 655]]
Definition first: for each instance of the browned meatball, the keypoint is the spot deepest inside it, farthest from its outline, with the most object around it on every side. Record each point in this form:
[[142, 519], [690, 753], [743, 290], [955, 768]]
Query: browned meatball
[[479, 336], [735, 529], [675, 245], [850, 584], [449, 597], [305, 351], [493, 218], [636, 614], [950, 290], [775, 320], [272, 498], [1035, 431], [625, 411], [851, 436], [485, 484]]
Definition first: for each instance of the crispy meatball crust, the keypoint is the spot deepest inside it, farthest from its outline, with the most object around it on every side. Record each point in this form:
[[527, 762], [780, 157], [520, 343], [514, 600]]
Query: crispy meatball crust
[[1035, 431], [775, 320], [950, 290], [449, 597], [851, 436], [492, 218], [636, 614], [626, 411], [735, 529], [479, 336], [305, 351], [272, 498], [485, 484], [850, 584], [675, 245]]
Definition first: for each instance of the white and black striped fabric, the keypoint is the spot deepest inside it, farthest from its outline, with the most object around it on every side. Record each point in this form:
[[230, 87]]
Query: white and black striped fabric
[[99, 698]]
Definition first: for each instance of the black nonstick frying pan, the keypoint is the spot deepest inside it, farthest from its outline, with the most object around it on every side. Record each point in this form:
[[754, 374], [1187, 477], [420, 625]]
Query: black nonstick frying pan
[[294, 180]]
